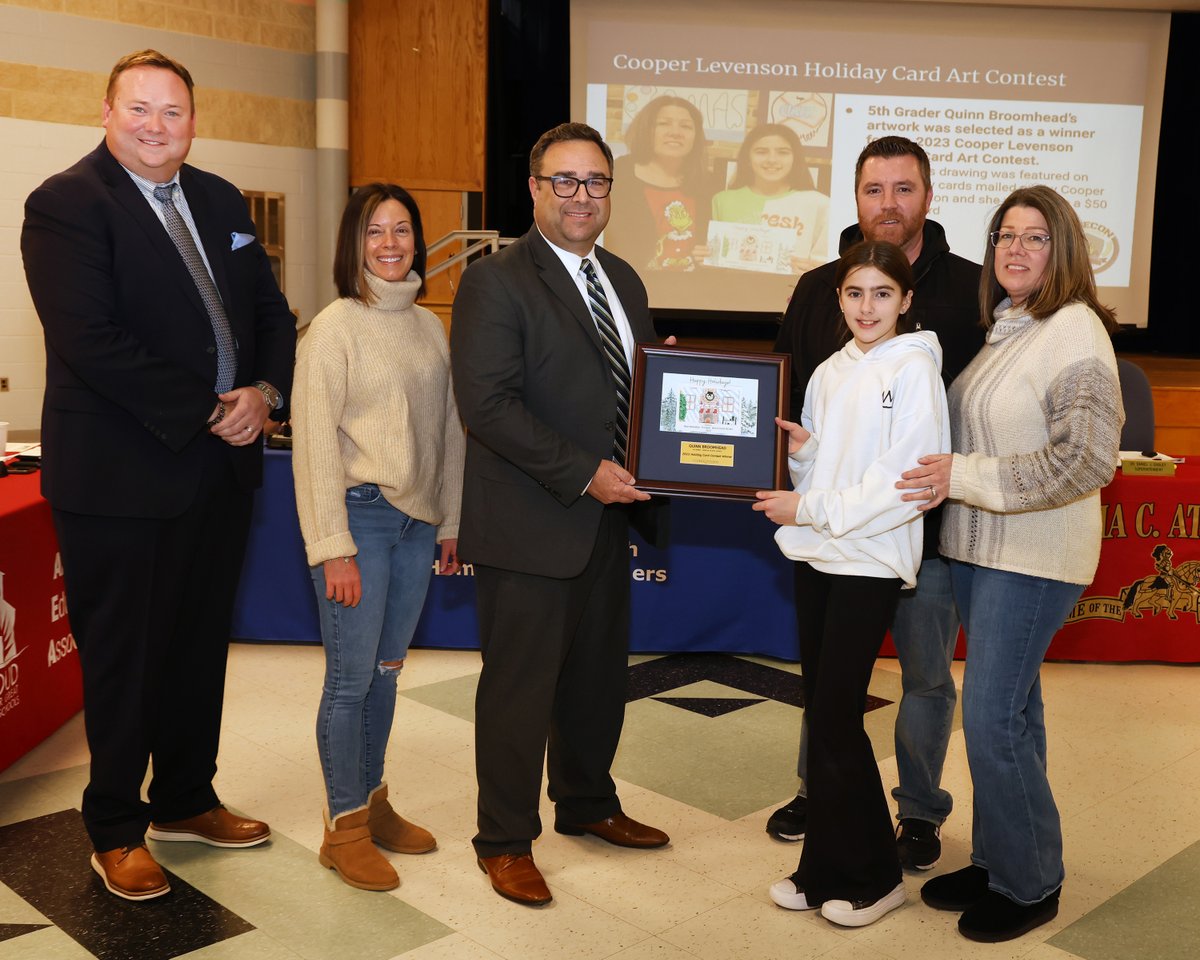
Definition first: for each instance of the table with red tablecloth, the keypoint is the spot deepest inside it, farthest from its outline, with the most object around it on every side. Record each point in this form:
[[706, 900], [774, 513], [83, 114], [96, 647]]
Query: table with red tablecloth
[[40, 685], [1143, 602], [721, 586]]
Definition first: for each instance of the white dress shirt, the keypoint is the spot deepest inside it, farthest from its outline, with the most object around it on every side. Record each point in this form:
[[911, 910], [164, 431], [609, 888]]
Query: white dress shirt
[[573, 262]]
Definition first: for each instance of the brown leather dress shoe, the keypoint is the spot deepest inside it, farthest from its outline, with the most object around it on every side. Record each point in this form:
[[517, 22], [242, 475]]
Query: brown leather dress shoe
[[131, 873], [218, 828], [516, 877], [617, 829]]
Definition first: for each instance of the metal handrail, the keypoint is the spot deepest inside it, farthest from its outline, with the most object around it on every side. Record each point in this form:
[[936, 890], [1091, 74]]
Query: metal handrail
[[488, 241]]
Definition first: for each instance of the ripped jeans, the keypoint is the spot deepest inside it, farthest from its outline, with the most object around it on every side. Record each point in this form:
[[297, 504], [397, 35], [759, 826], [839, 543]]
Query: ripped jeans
[[358, 700]]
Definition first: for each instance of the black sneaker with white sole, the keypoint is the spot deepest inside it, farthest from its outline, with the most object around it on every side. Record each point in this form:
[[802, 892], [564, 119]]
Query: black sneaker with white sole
[[788, 822], [918, 844]]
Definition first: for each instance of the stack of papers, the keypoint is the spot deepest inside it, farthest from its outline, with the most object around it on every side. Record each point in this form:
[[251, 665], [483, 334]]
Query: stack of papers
[[14, 450]]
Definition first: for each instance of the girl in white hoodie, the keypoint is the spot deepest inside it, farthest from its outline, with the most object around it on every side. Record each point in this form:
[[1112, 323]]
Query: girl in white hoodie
[[868, 410]]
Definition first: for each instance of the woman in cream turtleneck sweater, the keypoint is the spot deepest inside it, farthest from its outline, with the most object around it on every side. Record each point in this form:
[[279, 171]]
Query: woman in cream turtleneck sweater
[[378, 467]]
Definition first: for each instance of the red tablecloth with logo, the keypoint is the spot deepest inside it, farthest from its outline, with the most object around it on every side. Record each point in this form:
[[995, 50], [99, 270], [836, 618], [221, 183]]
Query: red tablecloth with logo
[[1144, 603], [40, 684]]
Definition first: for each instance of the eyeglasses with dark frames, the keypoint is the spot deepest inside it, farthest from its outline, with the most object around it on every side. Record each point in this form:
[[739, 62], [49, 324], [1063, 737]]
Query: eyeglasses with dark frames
[[1030, 241], [566, 187]]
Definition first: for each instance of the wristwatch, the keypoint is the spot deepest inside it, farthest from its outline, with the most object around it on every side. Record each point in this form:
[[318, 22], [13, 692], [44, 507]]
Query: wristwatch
[[273, 397]]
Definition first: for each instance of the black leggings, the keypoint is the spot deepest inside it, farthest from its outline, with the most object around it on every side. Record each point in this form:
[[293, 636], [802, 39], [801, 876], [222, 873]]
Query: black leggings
[[849, 845]]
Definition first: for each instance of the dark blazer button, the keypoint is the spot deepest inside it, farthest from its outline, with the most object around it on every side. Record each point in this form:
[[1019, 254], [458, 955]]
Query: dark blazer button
[[210, 350], [609, 426]]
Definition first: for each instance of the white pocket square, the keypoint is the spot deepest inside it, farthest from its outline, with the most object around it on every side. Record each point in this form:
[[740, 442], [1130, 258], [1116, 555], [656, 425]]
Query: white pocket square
[[241, 240]]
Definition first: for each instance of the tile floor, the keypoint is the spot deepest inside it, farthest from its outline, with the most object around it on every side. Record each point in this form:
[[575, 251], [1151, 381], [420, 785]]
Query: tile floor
[[1125, 764]]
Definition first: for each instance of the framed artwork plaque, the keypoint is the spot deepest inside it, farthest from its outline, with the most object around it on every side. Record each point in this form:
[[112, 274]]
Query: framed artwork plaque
[[702, 422]]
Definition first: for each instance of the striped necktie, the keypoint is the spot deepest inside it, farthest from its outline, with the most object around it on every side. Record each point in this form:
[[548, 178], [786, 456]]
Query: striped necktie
[[181, 236], [614, 350]]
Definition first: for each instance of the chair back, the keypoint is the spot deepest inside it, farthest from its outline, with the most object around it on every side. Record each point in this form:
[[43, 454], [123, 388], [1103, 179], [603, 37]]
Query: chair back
[[1138, 432]]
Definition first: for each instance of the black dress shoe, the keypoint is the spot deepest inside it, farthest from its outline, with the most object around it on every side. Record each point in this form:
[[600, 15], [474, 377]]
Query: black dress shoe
[[996, 918], [956, 891], [618, 829]]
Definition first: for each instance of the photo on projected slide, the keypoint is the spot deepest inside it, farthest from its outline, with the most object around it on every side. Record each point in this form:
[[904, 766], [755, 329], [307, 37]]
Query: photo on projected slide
[[736, 131], [770, 216], [709, 179]]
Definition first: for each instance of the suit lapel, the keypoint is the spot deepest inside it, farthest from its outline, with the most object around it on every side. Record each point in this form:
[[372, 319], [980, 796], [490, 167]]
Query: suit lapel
[[561, 284]]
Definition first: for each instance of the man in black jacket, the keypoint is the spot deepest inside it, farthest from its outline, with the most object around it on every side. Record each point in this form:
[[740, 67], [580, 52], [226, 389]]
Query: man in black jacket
[[893, 193]]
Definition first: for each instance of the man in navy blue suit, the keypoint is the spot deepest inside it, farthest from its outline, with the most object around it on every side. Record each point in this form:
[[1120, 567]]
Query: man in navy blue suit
[[168, 345]]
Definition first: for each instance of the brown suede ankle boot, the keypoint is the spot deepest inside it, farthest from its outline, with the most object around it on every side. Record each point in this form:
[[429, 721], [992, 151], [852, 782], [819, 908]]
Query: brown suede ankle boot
[[392, 831], [347, 848]]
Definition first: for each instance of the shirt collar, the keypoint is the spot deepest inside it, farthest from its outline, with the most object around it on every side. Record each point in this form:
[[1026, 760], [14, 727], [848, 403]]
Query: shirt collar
[[572, 261], [147, 186]]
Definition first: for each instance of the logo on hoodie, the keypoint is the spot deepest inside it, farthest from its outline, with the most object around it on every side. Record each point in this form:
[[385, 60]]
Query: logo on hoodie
[[887, 399]]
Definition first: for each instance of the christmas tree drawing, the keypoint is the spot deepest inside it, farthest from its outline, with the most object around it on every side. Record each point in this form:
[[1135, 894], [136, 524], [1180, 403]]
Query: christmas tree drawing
[[666, 418], [749, 417]]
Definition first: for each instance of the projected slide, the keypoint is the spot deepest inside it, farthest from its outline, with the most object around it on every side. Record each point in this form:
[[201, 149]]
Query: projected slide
[[736, 144]]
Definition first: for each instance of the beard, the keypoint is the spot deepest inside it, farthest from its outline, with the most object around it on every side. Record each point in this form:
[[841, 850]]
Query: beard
[[902, 232]]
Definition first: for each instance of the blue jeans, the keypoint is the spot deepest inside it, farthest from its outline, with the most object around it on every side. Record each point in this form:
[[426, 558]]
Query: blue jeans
[[924, 632], [358, 700], [1010, 619]]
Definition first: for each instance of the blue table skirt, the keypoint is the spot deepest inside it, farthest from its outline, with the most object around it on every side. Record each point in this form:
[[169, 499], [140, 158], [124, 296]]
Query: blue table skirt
[[721, 587]]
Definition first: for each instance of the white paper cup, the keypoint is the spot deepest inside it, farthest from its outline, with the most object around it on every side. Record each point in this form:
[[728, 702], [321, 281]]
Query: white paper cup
[[3, 436]]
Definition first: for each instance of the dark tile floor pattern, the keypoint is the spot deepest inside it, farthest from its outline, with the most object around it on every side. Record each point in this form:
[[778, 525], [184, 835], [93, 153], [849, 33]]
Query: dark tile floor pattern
[[710, 706], [654, 677], [10, 931], [47, 875], [74, 900]]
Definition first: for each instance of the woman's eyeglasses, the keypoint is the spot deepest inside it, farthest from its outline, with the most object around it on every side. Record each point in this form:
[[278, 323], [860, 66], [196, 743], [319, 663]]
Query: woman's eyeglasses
[[1030, 241]]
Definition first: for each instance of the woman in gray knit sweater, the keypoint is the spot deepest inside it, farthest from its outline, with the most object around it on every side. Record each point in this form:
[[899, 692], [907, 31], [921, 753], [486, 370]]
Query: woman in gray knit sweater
[[1036, 419]]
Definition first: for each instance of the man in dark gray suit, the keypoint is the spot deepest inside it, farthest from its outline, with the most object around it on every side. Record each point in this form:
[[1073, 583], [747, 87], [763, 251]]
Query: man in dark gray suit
[[541, 347], [168, 344]]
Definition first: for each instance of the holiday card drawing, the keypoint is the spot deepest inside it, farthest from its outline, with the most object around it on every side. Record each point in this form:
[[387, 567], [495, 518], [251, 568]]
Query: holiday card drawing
[[711, 406]]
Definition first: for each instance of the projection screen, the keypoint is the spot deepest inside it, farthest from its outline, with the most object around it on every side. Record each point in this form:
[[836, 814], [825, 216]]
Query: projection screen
[[999, 97]]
